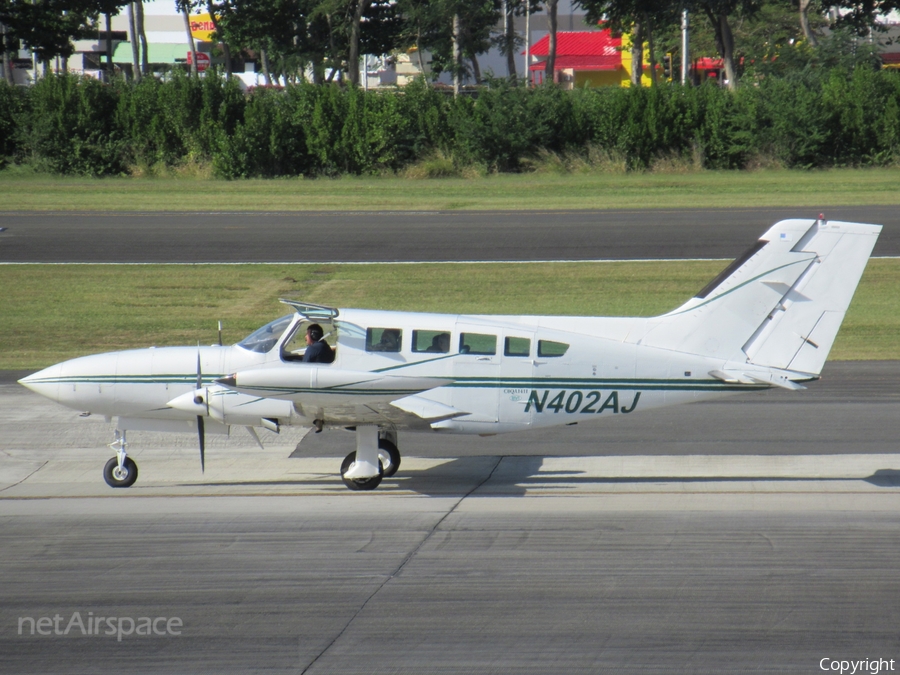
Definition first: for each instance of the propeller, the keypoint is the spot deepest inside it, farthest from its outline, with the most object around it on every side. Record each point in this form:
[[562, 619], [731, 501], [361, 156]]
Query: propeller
[[201, 430]]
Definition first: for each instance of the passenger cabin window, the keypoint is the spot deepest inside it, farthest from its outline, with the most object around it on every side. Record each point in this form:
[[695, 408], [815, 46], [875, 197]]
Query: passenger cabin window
[[550, 349], [433, 341], [383, 339], [517, 346], [477, 343]]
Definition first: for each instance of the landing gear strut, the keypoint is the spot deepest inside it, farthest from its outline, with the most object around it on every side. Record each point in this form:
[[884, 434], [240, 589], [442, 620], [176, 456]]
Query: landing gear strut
[[374, 459], [121, 471]]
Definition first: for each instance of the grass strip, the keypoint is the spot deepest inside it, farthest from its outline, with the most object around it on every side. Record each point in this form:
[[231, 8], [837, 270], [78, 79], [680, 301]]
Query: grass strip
[[55, 312], [21, 191]]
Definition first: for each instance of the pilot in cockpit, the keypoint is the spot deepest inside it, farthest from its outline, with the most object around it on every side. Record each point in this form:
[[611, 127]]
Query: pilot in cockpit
[[317, 350]]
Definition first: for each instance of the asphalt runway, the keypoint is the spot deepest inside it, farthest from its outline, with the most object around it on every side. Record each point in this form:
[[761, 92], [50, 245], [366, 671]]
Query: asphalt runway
[[368, 584], [407, 236], [757, 534]]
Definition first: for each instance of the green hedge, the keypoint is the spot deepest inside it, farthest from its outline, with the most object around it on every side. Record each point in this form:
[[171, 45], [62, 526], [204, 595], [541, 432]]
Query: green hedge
[[71, 125]]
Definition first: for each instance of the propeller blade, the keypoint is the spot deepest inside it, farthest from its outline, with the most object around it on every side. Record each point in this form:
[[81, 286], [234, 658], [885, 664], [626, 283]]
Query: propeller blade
[[201, 427], [201, 431], [255, 437]]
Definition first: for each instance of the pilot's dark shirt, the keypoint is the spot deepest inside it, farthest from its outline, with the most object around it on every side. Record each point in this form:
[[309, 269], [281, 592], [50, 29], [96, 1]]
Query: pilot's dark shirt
[[319, 352]]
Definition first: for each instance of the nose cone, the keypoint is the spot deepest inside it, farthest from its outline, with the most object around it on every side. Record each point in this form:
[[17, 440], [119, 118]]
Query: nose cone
[[44, 382]]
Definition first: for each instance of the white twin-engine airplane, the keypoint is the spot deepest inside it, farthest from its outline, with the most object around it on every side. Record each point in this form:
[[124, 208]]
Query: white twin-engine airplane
[[768, 320]]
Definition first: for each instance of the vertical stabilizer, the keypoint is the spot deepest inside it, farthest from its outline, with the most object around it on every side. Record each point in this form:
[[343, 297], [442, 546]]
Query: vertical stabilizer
[[779, 305], [800, 330]]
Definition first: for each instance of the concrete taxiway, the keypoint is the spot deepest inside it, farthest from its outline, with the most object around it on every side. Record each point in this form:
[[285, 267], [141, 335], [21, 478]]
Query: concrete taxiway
[[758, 534]]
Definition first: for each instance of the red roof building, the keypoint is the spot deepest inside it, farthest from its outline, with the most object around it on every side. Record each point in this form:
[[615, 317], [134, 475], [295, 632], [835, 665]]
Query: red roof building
[[585, 59]]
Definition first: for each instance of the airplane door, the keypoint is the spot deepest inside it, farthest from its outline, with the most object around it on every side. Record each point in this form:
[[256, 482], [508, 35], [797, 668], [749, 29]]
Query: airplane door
[[477, 371], [516, 378]]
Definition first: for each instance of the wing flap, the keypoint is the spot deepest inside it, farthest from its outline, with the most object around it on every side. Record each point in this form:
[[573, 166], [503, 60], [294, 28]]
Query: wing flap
[[426, 408]]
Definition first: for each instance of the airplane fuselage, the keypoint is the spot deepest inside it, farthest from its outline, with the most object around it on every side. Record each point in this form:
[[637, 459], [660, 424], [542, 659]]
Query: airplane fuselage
[[516, 374]]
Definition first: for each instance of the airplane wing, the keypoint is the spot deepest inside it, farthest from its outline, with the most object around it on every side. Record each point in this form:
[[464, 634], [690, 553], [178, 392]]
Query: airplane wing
[[342, 397], [410, 412]]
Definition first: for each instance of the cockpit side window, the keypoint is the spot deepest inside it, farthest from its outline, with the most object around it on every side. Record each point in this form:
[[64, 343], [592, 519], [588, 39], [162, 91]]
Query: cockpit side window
[[550, 349], [263, 339], [383, 339], [294, 348]]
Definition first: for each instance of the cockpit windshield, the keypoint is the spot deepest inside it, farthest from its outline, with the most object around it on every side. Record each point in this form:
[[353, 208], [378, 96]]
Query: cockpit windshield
[[263, 339]]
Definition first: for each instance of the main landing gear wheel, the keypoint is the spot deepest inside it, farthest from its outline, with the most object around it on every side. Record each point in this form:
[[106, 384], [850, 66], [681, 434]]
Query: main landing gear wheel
[[389, 456], [120, 478], [361, 483]]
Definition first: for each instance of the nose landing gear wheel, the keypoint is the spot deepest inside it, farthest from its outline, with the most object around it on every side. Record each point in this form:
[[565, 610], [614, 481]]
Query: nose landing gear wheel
[[120, 478], [360, 483], [389, 456]]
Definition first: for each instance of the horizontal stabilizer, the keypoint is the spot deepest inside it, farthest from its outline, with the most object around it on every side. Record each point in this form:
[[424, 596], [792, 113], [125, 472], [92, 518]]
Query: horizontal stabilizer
[[783, 379]]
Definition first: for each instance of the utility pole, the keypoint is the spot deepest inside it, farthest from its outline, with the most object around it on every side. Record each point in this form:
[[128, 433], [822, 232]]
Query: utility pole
[[457, 55], [685, 51], [527, 43]]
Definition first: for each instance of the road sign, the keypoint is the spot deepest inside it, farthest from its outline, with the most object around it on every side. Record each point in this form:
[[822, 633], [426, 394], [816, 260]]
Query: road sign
[[202, 60]]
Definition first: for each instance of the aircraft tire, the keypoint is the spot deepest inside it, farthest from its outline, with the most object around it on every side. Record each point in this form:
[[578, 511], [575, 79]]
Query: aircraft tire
[[112, 477], [362, 484], [389, 456]]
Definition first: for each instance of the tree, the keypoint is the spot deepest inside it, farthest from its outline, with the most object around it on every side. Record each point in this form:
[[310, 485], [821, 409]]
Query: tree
[[135, 40], [550, 67], [353, 51], [861, 16], [7, 45], [255, 24], [185, 7], [718, 11], [139, 26], [47, 27], [359, 27], [771, 35], [643, 18], [462, 30], [507, 41], [420, 28], [804, 22], [109, 9]]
